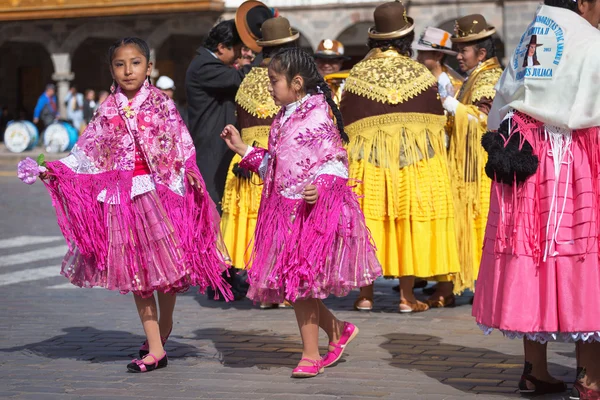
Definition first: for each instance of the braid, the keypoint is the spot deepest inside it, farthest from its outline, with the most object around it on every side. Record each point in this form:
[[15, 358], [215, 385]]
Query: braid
[[295, 61]]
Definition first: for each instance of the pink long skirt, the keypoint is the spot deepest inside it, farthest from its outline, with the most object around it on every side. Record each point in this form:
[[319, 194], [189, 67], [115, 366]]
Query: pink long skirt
[[159, 256], [540, 274]]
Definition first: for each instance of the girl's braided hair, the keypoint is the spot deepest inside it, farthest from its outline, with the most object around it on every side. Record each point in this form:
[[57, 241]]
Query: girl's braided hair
[[295, 61]]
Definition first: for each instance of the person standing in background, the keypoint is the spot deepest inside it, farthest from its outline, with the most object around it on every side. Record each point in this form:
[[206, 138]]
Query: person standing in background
[[46, 109]]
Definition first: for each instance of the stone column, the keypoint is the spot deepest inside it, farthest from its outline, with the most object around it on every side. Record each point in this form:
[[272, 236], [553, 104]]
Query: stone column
[[155, 73], [63, 77]]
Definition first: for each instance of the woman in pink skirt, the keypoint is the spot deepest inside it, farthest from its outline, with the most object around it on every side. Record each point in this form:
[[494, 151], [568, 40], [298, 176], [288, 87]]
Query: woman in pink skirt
[[133, 206], [540, 273]]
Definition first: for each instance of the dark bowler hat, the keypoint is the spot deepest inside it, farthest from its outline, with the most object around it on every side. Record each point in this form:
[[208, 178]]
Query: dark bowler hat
[[391, 22], [471, 28], [277, 31], [249, 18], [534, 42]]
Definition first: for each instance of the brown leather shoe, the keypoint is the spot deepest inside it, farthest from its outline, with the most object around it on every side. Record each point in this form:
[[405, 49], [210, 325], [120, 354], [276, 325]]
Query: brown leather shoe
[[363, 308], [414, 307], [446, 301]]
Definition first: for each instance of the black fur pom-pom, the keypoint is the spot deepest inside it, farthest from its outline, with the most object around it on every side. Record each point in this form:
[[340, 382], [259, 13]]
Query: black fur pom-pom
[[241, 172], [507, 163]]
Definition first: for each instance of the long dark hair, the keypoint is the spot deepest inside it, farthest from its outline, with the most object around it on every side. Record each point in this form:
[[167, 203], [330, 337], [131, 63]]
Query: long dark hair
[[137, 42], [295, 61], [403, 44]]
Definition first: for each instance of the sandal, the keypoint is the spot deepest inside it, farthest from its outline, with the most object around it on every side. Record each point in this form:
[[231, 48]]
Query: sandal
[[539, 387], [139, 365], [363, 308], [446, 301], [414, 307]]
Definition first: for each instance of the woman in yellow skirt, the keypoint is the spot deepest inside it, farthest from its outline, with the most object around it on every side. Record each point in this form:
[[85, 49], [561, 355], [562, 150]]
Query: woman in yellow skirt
[[397, 156], [255, 113]]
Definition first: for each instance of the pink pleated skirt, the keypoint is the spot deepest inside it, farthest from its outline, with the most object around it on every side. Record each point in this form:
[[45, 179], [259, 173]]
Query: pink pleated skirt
[[158, 254], [540, 274]]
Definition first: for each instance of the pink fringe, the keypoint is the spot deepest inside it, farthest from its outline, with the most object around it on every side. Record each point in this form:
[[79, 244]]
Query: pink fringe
[[533, 131], [83, 221], [311, 251]]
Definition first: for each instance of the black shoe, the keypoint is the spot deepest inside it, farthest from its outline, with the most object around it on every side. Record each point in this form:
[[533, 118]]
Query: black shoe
[[539, 387], [139, 366]]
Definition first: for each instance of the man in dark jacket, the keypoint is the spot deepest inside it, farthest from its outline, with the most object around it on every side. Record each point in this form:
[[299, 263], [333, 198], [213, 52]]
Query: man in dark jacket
[[211, 83]]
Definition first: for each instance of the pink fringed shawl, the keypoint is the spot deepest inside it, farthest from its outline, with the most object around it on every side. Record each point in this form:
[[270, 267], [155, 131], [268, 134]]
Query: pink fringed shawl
[[307, 250], [100, 167]]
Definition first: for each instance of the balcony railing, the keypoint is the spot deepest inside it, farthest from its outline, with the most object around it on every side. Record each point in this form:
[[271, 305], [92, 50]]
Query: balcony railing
[[53, 9]]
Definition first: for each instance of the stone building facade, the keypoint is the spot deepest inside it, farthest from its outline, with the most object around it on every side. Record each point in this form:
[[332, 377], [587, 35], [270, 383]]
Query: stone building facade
[[66, 41]]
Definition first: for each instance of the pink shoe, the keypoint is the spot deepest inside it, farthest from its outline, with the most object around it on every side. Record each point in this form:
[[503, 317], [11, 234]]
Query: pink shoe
[[308, 371], [348, 333]]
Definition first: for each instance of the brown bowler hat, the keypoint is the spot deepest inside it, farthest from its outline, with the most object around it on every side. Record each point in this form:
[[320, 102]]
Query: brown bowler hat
[[391, 22], [249, 18], [277, 31], [471, 28]]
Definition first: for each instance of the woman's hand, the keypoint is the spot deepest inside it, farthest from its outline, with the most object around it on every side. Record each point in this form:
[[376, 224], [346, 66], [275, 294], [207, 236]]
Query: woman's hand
[[310, 194], [232, 137]]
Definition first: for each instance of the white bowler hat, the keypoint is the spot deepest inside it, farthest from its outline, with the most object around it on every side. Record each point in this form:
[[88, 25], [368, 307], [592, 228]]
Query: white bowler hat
[[165, 83], [435, 39]]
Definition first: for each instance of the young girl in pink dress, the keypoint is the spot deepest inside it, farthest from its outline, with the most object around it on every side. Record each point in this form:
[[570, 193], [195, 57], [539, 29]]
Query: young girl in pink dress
[[133, 206], [540, 272], [311, 239]]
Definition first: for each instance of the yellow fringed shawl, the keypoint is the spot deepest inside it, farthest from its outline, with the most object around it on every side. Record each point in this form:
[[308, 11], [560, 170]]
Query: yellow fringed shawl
[[466, 161]]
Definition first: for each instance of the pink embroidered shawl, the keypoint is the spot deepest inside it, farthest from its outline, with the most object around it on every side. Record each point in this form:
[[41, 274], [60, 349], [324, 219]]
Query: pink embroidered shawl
[[100, 167]]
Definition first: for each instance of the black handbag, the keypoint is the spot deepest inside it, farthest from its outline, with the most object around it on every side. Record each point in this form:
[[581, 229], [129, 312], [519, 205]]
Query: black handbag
[[508, 162]]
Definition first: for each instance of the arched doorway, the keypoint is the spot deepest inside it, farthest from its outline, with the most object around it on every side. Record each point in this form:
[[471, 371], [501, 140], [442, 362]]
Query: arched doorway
[[91, 65], [173, 58], [25, 69], [355, 38]]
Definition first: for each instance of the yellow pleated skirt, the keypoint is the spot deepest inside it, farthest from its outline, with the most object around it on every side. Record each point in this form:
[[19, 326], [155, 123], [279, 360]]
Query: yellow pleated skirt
[[399, 163], [241, 201]]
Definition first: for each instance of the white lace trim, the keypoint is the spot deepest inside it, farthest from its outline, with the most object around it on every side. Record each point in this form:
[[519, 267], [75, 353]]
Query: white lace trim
[[78, 162], [544, 337], [264, 164], [140, 184]]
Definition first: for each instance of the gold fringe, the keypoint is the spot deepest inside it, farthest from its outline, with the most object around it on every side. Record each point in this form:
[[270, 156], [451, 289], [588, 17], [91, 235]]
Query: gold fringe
[[253, 94], [393, 142], [471, 189], [392, 79]]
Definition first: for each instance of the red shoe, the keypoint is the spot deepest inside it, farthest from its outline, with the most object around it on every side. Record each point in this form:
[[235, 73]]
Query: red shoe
[[580, 392], [348, 333], [308, 371]]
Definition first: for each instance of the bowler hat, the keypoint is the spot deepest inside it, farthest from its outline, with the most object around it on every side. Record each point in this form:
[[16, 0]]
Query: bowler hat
[[277, 31], [249, 18], [471, 28], [391, 22]]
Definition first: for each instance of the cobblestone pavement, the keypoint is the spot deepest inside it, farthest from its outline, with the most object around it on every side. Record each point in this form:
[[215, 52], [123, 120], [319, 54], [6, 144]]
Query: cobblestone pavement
[[61, 342]]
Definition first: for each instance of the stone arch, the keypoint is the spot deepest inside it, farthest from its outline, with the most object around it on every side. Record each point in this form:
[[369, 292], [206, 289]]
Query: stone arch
[[28, 33], [26, 67], [103, 30], [354, 38], [190, 26]]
